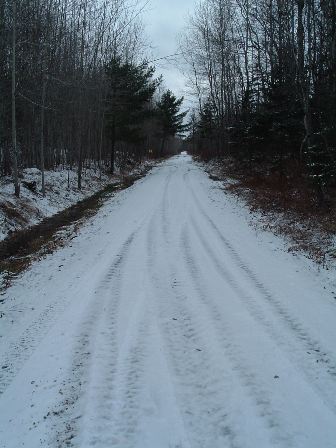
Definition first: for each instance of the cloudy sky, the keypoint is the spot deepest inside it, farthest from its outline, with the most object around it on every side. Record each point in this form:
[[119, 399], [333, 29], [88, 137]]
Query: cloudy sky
[[164, 20]]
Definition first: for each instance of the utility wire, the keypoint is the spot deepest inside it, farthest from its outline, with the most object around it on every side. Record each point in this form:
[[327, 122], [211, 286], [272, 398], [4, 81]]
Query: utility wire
[[166, 57]]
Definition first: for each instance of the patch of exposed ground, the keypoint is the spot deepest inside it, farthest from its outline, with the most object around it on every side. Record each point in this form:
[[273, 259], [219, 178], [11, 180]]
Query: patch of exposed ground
[[285, 204], [22, 247], [61, 192]]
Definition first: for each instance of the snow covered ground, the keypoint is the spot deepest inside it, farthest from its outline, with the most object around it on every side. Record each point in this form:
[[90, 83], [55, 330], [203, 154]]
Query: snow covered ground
[[169, 322], [32, 207], [306, 231]]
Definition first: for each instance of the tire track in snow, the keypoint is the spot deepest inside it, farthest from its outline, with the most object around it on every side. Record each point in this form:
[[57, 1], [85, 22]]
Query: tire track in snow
[[199, 387], [116, 406], [225, 337], [115, 423], [202, 385], [21, 349], [165, 207], [66, 415], [291, 349], [318, 354], [130, 373], [104, 360]]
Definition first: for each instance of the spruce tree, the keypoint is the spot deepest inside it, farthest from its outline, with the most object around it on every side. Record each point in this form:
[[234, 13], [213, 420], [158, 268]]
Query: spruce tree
[[130, 90], [169, 116]]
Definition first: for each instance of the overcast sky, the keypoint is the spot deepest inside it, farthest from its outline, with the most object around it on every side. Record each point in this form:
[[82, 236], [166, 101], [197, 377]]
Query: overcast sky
[[164, 20]]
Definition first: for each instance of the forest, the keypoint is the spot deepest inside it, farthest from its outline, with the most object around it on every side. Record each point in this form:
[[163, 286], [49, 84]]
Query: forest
[[77, 89], [264, 74]]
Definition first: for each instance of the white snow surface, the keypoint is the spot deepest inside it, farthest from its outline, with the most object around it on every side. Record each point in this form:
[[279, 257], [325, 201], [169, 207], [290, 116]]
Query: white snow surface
[[168, 322], [32, 207]]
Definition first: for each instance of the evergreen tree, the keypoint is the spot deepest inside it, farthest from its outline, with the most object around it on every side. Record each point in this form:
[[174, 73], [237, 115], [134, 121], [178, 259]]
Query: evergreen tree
[[207, 121], [170, 117], [130, 90]]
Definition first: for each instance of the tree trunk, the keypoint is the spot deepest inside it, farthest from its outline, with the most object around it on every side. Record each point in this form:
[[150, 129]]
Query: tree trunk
[[80, 168], [101, 146], [112, 156], [14, 142], [112, 153], [303, 87], [44, 86]]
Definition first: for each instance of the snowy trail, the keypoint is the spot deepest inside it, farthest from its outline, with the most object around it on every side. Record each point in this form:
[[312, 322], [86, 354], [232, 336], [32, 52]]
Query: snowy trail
[[168, 322]]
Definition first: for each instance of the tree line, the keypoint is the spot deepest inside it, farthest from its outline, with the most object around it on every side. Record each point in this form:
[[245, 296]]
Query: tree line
[[76, 87], [264, 73]]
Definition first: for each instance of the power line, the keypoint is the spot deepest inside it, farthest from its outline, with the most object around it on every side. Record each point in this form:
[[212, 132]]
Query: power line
[[166, 57]]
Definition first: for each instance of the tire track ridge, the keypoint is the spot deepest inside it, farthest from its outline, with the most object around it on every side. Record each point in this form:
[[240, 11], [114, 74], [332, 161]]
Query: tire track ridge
[[191, 369], [258, 315], [293, 324], [68, 412], [225, 338]]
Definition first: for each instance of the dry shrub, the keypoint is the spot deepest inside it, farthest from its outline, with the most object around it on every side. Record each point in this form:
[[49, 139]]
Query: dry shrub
[[288, 205]]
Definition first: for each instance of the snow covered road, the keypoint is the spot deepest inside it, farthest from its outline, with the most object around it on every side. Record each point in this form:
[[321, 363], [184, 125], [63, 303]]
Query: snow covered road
[[168, 323]]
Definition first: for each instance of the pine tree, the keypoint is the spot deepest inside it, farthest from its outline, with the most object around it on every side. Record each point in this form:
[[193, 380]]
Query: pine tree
[[130, 90], [207, 121], [170, 118]]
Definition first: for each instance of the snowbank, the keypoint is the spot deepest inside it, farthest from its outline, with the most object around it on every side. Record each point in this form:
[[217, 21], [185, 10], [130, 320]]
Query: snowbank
[[61, 193]]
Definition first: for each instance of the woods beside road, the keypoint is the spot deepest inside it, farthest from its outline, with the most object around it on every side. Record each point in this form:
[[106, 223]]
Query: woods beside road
[[81, 89], [78, 89], [264, 75]]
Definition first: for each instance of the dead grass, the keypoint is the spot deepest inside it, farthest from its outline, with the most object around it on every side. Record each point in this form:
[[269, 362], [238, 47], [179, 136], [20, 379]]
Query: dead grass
[[287, 205], [22, 247], [12, 213]]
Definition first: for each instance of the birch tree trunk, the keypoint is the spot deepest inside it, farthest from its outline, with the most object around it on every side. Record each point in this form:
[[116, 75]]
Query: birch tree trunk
[[304, 90]]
